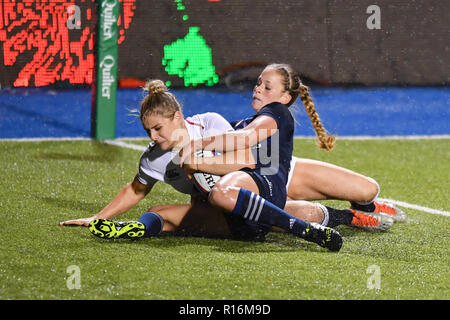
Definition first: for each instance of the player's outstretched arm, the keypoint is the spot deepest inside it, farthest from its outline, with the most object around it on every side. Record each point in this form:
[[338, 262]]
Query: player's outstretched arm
[[127, 198]]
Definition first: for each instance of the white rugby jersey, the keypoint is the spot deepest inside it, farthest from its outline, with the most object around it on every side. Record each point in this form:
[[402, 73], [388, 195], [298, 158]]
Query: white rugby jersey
[[158, 165]]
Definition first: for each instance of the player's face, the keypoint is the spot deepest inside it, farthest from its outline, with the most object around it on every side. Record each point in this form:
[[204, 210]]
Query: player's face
[[269, 88], [164, 130]]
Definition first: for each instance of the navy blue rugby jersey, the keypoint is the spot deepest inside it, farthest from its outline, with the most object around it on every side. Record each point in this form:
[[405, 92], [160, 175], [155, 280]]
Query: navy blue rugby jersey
[[273, 155], [240, 124]]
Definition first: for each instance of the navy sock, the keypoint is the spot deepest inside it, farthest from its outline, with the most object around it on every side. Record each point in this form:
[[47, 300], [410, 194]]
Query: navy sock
[[255, 208], [337, 217], [153, 223], [368, 207]]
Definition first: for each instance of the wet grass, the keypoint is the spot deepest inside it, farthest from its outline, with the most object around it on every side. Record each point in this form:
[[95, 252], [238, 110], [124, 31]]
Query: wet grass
[[47, 182]]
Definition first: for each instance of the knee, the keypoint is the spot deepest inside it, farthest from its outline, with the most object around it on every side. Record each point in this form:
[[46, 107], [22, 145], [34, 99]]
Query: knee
[[372, 190], [221, 194], [157, 209], [217, 194], [295, 193]]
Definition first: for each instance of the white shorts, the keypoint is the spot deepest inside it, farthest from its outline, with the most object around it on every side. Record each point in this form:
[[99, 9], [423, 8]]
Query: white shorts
[[291, 172]]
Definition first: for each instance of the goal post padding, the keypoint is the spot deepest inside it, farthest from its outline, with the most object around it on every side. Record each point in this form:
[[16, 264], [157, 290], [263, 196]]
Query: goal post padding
[[103, 113]]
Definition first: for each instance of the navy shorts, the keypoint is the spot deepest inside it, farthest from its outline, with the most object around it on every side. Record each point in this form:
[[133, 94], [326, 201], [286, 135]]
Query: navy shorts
[[271, 187]]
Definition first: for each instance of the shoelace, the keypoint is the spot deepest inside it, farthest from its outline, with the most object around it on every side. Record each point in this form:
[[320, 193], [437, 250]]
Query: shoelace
[[363, 220], [384, 208]]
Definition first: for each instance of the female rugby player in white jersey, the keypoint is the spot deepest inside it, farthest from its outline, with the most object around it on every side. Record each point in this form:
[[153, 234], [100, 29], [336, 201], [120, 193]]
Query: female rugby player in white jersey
[[161, 117], [169, 131]]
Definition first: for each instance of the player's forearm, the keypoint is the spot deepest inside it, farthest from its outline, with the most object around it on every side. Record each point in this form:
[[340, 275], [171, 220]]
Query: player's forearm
[[126, 199], [221, 169], [226, 163], [230, 141]]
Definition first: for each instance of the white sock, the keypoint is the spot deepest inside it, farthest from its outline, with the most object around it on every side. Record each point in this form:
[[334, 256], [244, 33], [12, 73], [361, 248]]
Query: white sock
[[326, 215]]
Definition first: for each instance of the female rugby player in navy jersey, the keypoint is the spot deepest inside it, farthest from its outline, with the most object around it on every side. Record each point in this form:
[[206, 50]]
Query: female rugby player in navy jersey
[[258, 194]]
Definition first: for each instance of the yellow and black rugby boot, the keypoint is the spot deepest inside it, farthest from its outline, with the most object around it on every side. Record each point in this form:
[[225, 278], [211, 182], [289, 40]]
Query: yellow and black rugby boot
[[109, 229], [324, 236]]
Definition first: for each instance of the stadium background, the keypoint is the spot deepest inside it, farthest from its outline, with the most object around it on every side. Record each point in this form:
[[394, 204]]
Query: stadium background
[[361, 78], [327, 40]]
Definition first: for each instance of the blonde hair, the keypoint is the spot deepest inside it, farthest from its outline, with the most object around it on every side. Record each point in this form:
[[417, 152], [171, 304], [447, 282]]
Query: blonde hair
[[294, 86], [159, 101]]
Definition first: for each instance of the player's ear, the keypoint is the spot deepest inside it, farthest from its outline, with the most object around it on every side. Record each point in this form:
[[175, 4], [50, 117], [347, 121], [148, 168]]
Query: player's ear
[[286, 98], [178, 116]]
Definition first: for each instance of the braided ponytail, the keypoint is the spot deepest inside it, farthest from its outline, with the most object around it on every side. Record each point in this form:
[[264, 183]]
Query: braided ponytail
[[293, 84], [325, 141]]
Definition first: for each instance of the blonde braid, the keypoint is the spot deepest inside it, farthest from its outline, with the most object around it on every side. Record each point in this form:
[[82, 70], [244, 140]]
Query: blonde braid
[[324, 140]]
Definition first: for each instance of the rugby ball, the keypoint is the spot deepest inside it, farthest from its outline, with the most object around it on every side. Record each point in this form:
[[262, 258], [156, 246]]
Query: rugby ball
[[202, 180]]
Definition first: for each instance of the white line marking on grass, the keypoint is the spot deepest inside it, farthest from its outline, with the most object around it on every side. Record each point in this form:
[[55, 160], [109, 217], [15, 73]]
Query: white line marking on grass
[[416, 207], [45, 139], [125, 145]]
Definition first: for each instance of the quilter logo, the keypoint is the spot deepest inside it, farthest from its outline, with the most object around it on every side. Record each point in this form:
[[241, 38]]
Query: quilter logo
[[50, 41], [108, 18], [106, 65]]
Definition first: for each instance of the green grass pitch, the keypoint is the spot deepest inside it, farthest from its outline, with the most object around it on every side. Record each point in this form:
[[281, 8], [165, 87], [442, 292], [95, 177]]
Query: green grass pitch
[[43, 183]]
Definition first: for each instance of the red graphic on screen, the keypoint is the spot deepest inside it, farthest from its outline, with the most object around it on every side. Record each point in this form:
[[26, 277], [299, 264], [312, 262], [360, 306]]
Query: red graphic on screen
[[38, 30]]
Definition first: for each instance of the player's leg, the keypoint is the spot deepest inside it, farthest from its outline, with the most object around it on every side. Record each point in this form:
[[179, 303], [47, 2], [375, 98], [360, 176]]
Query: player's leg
[[238, 193], [305, 210], [198, 219], [318, 213], [317, 180], [331, 217]]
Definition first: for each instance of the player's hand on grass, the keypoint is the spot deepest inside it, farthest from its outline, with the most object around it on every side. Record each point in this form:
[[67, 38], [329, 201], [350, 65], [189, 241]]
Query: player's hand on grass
[[84, 222]]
